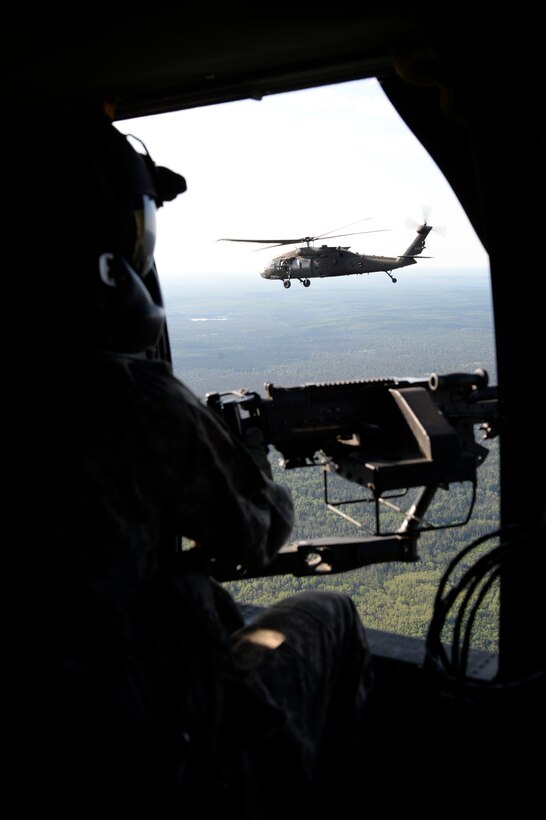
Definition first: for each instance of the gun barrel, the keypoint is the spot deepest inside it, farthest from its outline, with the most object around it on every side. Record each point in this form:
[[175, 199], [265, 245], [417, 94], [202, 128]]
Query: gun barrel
[[470, 381]]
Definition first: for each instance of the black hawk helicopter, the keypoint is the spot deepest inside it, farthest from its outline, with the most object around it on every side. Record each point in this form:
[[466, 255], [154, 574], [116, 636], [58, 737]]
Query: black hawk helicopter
[[308, 262]]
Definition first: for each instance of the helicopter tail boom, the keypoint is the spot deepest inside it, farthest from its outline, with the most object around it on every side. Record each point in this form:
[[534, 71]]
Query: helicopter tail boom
[[418, 244]]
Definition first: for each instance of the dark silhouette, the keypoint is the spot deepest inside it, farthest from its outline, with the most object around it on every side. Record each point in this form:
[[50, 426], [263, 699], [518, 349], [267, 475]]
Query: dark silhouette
[[145, 692]]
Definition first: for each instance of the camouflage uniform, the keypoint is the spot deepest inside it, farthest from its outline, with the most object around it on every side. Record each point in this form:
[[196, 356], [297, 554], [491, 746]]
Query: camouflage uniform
[[146, 692]]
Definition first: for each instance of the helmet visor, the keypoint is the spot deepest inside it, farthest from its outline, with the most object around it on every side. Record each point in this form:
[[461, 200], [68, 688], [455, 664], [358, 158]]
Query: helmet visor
[[143, 251]]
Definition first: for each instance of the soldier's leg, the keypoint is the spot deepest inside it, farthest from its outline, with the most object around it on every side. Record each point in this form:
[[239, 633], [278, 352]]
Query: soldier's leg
[[305, 663]]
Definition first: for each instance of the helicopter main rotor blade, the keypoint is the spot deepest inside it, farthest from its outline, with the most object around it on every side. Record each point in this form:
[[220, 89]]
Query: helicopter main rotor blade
[[271, 243], [341, 227], [275, 243], [356, 233], [309, 239]]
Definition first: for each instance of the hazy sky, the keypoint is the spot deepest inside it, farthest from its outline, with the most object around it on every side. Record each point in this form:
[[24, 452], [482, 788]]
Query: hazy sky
[[299, 164]]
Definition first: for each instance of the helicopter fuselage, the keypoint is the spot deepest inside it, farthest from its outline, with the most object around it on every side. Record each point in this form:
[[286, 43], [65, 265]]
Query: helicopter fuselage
[[309, 262]]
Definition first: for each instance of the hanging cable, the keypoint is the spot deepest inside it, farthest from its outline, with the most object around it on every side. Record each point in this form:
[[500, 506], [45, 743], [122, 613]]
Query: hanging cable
[[458, 603]]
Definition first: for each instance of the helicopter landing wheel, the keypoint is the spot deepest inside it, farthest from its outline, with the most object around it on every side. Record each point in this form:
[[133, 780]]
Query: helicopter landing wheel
[[306, 283], [394, 281], [287, 283]]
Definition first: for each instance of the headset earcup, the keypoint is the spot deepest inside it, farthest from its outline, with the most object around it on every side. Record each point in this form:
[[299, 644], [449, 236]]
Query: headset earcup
[[139, 320]]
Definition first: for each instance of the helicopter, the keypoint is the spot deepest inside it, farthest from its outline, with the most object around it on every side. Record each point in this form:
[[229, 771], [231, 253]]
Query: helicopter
[[308, 262]]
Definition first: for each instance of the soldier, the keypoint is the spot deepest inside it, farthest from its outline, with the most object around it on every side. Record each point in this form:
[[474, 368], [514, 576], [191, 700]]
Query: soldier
[[145, 691]]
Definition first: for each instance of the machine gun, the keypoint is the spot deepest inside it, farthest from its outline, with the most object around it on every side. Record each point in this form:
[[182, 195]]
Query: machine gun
[[383, 434]]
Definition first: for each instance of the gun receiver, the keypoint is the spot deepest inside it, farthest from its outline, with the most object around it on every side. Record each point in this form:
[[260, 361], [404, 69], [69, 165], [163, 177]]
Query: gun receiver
[[383, 434]]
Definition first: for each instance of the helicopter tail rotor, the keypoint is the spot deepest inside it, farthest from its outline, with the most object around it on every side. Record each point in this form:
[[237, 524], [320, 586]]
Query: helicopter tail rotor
[[411, 223]]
